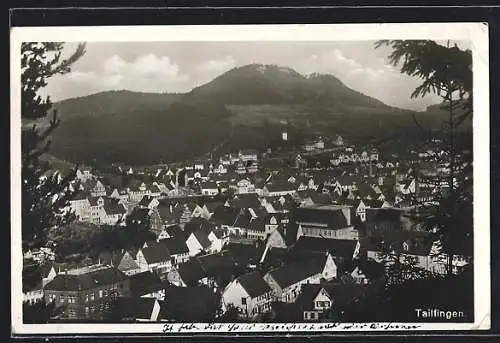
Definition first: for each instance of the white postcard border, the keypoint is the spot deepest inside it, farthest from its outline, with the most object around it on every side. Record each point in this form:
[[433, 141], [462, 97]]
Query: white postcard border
[[476, 33]]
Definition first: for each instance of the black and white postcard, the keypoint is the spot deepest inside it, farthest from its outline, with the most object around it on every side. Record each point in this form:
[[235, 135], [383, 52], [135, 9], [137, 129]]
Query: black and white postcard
[[250, 178]]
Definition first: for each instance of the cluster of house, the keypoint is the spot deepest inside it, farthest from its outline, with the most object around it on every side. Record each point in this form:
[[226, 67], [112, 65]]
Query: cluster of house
[[318, 144], [312, 239]]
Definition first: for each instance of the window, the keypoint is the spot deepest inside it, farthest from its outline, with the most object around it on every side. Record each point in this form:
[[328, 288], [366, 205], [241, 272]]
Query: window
[[100, 293], [306, 315], [86, 298], [243, 301], [92, 297], [312, 315]]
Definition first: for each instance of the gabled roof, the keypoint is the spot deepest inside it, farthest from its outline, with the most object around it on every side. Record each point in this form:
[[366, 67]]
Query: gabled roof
[[156, 253], [144, 283], [257, 224], [92, 279], [340, 294], [331, 216], [175, 246], [113, 206], [81, 195], [248, 152], [336, 247], [191, 271], [169, 216], [281, 187], [46, 268], [111, 258], [293, 273], [202, 238], [146, 200], [254, 284], [244, 254], [297, 271], [225, 215], [213, 264], [134, 308], [243, 220], [419, 243], [365, 191], [212, 206], [199, 224], [250, 200]]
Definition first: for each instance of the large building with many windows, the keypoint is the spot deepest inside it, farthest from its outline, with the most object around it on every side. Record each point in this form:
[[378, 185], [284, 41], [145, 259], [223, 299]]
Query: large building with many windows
[[84, 293]]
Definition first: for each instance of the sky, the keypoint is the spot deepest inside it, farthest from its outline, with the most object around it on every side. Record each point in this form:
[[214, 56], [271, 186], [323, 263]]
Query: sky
[[176, 67]]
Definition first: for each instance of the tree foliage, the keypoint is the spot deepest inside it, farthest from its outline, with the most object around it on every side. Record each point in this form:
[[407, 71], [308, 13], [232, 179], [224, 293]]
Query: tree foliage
[[45, 194], [447, 72]]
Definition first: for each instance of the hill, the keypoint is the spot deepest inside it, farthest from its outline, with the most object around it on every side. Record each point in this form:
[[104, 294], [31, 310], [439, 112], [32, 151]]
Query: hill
[[247, 106], [142, 136], [271, 84]]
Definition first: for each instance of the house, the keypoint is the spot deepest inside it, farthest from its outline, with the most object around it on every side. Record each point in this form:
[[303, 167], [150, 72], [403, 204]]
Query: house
[[128, 309], [149, 202], [341, 249], [249, 293], [220, 268], [217, 239], [316, 299], [48, 272], [84, 174], [213, 270], [209, 188], [197, 242], [367, 271], [279, 204], [106, 210], [41, 255], [419, 246], [147, 285], [119, 194], [179, 251], [121, 260], [252, 167], [225, 217], [277, 238], [325, 221], [83, 292], [274, 220], [309, 146], [286, 281], [96, 188], [244, 253], [379, 220], [339, 141], [359, 208], [138, 191], [220, 169], [277, 189], [247, 155], [245, 186], [189, 273], [81, 207], [319, 144], [154, 257], [209, 208], [257, 228]]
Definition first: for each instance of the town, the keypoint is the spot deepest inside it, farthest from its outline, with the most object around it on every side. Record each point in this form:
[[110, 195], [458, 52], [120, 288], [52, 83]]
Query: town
[[294, 233]]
